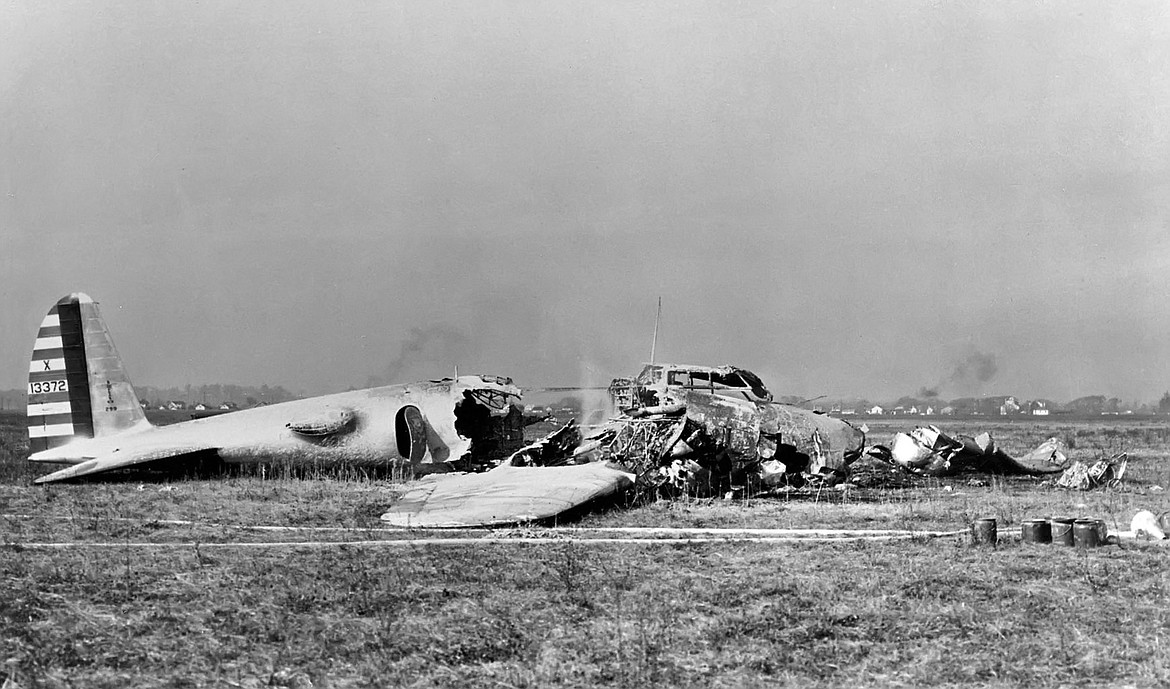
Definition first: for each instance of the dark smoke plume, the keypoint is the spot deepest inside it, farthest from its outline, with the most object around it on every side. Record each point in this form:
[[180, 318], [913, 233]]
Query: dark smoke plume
[[426, 353], [928, 393], [972, 372]]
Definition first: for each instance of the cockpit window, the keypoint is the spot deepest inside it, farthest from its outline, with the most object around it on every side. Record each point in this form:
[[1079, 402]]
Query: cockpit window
[[731, 380], [705, 379]]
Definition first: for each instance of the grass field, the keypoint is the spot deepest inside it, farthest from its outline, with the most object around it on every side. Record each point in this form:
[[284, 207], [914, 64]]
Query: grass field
[[195, 612]]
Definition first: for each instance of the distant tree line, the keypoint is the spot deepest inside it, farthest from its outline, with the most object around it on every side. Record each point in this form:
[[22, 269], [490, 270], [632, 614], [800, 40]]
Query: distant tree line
[[996, 404], [242, 396]]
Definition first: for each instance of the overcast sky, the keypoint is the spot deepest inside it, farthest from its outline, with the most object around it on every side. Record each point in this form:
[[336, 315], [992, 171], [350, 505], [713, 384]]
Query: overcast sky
[[850, 200]]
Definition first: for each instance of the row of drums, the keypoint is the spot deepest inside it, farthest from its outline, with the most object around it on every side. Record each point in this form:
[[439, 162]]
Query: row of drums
[[1082, 533]]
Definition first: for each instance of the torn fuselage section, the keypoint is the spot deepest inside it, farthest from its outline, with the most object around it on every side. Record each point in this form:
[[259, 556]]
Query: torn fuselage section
[[468, 421], [449, 420], [712, 430], [488, 421]]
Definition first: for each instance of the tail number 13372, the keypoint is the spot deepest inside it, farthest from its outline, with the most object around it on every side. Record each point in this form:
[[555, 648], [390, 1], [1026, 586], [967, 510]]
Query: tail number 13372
[[43, 387]]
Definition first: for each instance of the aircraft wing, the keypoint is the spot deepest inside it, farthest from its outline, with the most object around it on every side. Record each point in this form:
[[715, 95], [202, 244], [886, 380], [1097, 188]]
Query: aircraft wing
[[504, 495], [122, 459]]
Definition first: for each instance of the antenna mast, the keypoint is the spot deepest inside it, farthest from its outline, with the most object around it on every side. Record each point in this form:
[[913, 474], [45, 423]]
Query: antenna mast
[[654, 343]]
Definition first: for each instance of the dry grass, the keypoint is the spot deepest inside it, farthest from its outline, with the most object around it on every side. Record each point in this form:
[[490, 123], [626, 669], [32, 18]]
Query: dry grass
[[576, 614]]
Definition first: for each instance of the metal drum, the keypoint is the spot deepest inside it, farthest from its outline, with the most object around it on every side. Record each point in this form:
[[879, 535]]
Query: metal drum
[[1102, 531], [1086, 533], [1062, 530], [1036, 531], [983, 531]]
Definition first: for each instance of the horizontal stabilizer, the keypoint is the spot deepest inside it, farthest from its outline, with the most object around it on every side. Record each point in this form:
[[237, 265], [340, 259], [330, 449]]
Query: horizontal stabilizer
[[504, 495], [119, 459]]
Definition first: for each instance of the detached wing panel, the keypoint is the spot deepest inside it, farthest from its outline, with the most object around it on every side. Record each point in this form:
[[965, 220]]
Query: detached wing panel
[[123, 459], [505, 495]]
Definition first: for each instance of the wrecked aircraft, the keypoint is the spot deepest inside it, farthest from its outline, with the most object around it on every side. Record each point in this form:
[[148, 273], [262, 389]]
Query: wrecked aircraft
[[927, 450], [717, 429], [680, 428], [83, 411]]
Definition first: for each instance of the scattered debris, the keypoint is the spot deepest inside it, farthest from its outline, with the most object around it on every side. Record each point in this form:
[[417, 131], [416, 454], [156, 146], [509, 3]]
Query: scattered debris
[[1104, 472], [927, 450], [872, 472], [552, 450], [1049, 457]]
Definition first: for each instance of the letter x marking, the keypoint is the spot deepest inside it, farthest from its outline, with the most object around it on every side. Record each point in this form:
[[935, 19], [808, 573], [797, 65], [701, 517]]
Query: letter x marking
[[47, 365]]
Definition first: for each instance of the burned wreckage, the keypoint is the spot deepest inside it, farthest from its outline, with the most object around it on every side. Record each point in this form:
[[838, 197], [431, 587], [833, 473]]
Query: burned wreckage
[[926, 450], [691, 427], [714, 430], [694, 430], [677, 429]]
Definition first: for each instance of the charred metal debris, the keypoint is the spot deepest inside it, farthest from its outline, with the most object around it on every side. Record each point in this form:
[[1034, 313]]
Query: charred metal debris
[[705, 431], [716, 431], [1107, 472], [928, 451]]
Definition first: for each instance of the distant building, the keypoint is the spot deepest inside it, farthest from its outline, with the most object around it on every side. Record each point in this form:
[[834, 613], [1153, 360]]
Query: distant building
[[947, 411], [176, 405], [1009, 406], [876, 410], [201, 407]]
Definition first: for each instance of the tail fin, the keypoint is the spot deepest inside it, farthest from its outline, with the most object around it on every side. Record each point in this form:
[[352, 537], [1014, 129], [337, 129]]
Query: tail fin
[[77, 387]]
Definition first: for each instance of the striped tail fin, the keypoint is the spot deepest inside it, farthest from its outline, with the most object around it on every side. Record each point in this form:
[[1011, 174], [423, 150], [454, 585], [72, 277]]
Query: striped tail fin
[[77, 387]]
